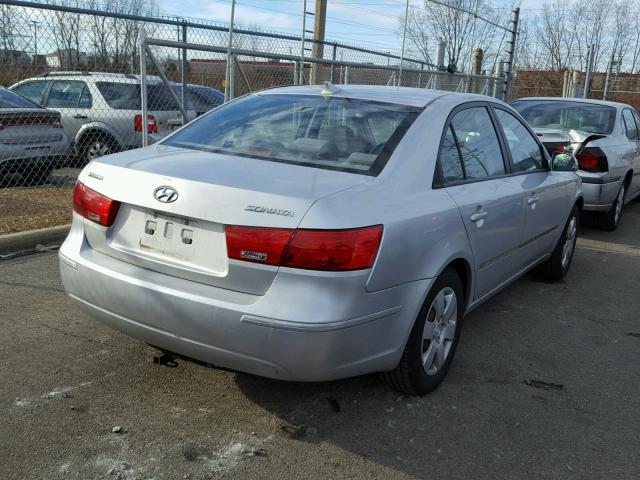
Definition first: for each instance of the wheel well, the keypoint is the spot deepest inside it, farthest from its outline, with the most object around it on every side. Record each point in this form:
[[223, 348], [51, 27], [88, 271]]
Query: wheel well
[[462, 268], [580, 203], [627, 179], [95, 132]]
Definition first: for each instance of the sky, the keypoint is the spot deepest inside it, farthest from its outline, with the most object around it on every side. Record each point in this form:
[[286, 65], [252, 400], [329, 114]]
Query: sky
[[371, 24]]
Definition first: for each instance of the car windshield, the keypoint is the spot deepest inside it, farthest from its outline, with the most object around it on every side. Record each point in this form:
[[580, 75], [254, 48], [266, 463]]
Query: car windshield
[[587, 117], [333, 133], [126, 96], [13, 100]]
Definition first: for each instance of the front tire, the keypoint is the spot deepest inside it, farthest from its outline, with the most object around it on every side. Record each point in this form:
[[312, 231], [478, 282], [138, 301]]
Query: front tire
[[557, 266], [433, 339]]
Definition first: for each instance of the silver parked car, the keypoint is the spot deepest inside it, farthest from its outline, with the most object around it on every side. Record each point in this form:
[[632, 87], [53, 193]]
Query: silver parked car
[[603, 136], [101, 112], [32, 140], [315, 233]]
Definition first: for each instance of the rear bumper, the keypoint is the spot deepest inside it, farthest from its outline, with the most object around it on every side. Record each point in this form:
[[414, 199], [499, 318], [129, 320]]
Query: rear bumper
[[306, 328], [600, 193]]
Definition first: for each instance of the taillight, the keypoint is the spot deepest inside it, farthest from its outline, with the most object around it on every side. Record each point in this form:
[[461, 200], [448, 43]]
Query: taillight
[[329, 250], [94, 206], [152, 127], [593, 159], [261, 245]]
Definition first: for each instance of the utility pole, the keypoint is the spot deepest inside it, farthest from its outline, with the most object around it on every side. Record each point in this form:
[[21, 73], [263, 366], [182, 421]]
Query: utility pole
[[35, 41], [317, 50], [587, 79], [606, 80], [509, 73]]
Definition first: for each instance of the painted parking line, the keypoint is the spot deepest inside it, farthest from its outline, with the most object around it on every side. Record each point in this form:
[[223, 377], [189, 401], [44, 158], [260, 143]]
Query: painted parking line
[[608, 247]]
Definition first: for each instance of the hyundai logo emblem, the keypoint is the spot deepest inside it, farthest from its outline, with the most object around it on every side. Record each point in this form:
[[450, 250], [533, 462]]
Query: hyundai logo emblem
[[165, 194]]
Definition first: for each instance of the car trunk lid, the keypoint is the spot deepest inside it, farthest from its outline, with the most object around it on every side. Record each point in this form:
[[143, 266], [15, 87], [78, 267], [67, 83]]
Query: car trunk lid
[[184, 236], [557, 139]]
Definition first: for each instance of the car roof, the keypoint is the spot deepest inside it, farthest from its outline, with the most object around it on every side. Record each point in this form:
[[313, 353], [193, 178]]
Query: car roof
[[415, 97], [96, 76], [577, 100]]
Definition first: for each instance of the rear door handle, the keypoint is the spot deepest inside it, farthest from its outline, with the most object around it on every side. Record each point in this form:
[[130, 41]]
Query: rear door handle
[[476, 217], [79, 116]]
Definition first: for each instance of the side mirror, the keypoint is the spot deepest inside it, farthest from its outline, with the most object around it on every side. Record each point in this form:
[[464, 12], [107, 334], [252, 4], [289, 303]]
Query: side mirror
[[563, 162]]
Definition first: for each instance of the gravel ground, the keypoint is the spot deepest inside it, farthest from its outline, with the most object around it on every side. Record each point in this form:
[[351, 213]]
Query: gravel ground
[[66, 381]]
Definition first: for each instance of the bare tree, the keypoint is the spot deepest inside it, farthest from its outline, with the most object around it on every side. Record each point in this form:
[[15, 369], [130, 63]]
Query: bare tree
[[556, 35], [418, 33]]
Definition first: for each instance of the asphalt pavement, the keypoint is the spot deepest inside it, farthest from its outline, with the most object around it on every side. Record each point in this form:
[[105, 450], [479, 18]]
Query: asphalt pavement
[[545, 384]]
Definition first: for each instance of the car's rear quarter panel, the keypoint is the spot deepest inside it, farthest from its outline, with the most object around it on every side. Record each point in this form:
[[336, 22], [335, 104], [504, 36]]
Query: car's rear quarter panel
[[423, 230]]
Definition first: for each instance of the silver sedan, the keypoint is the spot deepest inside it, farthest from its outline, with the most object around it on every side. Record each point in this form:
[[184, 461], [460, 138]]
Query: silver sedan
[[316, 233], [605, 138]]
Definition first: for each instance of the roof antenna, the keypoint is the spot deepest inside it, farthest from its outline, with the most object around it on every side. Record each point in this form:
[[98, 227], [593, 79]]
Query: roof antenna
[[329, 88]]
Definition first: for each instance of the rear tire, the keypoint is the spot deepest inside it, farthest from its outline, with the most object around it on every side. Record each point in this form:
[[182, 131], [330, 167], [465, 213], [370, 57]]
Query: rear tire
[[557, 266], [610, 220], [96, 145], [433, 339]]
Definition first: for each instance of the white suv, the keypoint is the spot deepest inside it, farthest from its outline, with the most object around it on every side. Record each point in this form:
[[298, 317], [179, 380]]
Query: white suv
[[101, 112]]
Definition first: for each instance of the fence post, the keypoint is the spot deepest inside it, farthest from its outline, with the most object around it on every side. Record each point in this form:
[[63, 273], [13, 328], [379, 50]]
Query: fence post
[[346, 75], [498, 73], [184, 73], [143, 86], [227, 91], [302, 39], [575, 84], [333, 65], [404, 37], [565, 83], [508, 79]]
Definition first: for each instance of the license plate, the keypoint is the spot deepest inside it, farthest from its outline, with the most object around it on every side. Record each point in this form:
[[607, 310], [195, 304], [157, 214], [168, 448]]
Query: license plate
[[168, 235]]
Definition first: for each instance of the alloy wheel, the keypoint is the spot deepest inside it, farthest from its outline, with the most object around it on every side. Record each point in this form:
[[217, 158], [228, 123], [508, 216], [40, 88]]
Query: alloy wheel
[[439, 330], [619, 204], [97, 149], [569, 242]]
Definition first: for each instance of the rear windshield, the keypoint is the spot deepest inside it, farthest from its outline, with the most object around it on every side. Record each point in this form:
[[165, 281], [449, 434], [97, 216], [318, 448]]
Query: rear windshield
[[324, 132], [13, 100], [567, 115], [126, 96], [204, 98]]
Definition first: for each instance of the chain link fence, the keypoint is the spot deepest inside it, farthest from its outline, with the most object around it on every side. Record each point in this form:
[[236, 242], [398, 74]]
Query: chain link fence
[[78, 75]]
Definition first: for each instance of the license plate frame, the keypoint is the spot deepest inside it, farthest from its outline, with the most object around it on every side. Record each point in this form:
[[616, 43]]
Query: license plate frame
[[169, 235]]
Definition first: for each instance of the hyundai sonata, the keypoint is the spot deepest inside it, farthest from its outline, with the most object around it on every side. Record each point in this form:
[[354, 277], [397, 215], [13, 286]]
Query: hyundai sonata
[[314, 233]]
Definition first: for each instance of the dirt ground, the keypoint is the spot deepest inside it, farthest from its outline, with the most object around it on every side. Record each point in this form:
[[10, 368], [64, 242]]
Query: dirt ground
[[545, 385], [28, 208]]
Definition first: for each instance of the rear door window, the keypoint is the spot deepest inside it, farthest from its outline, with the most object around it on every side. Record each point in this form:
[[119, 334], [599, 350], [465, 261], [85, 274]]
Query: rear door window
[[450, 160], [526, 154], [478, 143], [34, 91]]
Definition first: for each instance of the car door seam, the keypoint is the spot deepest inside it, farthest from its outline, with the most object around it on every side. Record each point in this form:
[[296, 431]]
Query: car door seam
[[522, 245]]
